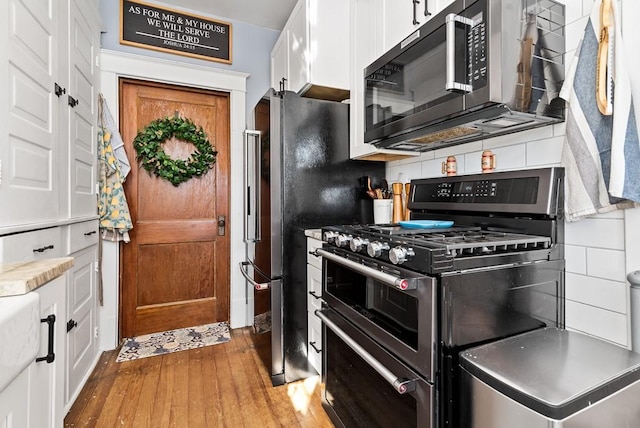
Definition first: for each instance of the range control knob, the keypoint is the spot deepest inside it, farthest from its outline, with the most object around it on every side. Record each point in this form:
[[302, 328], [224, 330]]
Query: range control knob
[[375, 249], [330, 236], [399, 255], [343, 239], [358, 244]]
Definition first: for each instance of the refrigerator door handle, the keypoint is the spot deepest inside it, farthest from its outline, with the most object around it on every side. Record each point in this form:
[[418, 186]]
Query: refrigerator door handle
[[252, 173], [256, 285]]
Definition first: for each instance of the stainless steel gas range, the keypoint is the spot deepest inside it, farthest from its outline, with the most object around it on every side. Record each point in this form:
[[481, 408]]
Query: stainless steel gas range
[[402, 301]]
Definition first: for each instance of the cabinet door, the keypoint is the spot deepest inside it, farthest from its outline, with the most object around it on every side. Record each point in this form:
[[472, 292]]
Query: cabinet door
[[280, 62], [298, 47], [81, 319], [84, 46], [46, 384], [14, 401], [398, 20], [29, 113]]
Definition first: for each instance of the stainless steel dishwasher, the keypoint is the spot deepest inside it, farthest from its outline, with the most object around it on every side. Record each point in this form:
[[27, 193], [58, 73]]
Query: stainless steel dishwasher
[[550, 378]]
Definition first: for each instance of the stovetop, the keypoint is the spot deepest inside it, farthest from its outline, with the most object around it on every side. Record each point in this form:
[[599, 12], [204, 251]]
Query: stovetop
[[437, 250]]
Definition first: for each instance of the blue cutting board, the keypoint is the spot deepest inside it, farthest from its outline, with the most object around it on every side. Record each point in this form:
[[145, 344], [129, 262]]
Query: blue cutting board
[[425, 224]]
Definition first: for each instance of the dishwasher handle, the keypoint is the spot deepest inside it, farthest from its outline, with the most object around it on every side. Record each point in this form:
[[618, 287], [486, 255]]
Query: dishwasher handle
[[401, 385]]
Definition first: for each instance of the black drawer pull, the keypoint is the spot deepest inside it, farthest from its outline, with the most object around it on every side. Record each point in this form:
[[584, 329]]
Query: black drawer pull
[[51, 355], [313, 345], [90, 233], [72, 101], [43, 249]]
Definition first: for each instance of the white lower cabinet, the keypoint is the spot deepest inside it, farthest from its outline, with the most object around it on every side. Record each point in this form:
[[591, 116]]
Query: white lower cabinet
[[314, 302], [81, 315], [45, 396], [14, 406]]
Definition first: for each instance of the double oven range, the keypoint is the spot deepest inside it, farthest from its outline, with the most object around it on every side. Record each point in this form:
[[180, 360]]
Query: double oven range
[[400, 303]]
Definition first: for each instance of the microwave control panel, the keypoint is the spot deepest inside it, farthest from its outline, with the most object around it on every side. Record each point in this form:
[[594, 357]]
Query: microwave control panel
[[477, 52]]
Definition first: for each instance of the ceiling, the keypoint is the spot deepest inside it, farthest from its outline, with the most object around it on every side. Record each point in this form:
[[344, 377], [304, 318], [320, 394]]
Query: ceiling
[[263, 13]]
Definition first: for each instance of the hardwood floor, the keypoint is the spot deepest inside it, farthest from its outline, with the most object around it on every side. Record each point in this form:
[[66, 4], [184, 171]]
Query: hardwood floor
[[224, 385]]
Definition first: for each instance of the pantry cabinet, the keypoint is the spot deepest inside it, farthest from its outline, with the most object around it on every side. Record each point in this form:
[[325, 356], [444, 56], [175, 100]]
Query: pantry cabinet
[[82, 305], [49, 51], [312, 53]]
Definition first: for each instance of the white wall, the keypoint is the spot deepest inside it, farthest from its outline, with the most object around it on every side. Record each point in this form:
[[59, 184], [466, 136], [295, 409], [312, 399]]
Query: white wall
[[597, 292]]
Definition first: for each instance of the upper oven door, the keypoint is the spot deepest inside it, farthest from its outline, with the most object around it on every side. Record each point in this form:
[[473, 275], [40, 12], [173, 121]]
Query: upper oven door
[[425, 78], [392, 305]]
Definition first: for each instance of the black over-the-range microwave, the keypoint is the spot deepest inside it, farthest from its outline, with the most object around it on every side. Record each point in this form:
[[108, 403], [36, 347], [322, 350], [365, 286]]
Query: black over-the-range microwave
[[478, 68]]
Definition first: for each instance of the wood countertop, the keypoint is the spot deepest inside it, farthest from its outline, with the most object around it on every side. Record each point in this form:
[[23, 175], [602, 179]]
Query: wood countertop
[[23, 277]]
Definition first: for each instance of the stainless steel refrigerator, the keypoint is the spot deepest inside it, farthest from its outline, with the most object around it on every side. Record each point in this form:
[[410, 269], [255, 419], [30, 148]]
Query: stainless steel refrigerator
[[298, 176]]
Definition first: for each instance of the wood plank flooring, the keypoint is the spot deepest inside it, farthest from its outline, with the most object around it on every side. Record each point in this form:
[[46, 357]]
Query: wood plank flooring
[[224, 385]]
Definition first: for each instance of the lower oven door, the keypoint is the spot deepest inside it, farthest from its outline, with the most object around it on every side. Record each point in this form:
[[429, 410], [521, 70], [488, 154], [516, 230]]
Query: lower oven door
[[366, 386]]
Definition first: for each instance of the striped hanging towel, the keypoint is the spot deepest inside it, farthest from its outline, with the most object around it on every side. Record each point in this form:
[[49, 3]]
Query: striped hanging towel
[[599, 149]]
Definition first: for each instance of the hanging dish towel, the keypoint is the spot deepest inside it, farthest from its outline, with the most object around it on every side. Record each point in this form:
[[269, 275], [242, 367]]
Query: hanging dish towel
[[108, 124], [599, 149], [115, 219]]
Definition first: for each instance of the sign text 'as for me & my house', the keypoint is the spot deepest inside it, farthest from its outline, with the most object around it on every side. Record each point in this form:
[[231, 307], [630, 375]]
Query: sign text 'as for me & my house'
[[152, 27]]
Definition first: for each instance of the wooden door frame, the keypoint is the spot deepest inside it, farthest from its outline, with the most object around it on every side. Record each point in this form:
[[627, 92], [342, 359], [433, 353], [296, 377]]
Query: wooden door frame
[[115, 65]]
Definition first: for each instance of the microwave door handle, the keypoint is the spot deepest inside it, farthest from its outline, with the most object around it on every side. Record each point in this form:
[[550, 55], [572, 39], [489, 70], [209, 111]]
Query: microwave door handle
[[252, 179], [403, 284], [451, 84], [401, 385]]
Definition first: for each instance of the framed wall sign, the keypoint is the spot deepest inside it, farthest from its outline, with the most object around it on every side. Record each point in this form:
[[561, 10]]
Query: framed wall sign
[[151, 27]]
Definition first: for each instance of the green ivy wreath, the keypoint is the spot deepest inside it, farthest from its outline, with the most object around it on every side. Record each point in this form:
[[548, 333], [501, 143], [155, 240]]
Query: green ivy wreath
[[148, 145]]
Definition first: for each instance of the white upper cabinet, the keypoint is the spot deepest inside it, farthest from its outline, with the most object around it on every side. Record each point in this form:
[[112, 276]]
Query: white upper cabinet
[[29, 157], [48, 52], [312, 53], [403, 17], [82, 115]]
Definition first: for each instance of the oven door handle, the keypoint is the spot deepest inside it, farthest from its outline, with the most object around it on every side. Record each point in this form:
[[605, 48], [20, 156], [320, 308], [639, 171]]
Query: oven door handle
[[401, 385], [403, 284]]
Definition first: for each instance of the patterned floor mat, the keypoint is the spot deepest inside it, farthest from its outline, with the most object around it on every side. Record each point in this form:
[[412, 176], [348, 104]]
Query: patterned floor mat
[[149, 345]]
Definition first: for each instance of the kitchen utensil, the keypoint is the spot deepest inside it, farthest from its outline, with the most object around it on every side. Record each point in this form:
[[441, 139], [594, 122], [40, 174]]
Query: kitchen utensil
[[425, 224]]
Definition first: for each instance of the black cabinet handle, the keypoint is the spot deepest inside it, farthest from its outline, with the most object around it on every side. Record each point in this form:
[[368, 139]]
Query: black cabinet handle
[[313, 345], [59, 90], [43, 249], [90, 233], [51, 355], [71, 324], [315, 296], [415, 11], [426, 8], [72, 101]]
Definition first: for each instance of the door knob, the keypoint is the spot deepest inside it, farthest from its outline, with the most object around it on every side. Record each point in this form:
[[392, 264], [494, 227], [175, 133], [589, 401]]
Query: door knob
[[222, 222]]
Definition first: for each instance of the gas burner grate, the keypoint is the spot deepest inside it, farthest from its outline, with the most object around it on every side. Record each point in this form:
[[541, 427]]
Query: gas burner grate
[[479, 243]]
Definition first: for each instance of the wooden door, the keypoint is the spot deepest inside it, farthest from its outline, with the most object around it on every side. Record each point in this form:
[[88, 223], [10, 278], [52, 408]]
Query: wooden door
[[175, 270]]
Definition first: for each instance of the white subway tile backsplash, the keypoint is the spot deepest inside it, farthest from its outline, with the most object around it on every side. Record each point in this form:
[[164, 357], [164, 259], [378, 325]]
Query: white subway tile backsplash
[[432, 168], [510, 157], [574, 33], [459, 149], [519, 137], [608, 264], [596, 232], [575, 259], [607, 325], [544, 152], [610, 295]]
